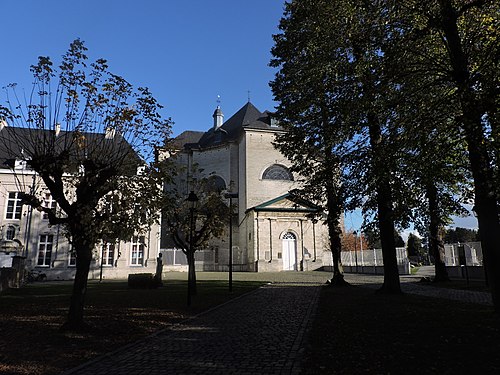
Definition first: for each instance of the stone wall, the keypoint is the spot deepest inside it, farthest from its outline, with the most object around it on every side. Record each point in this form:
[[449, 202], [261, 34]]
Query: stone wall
[[8, 278]]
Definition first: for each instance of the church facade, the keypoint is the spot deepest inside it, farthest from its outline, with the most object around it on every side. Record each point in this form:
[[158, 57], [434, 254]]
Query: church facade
[[272, 229]]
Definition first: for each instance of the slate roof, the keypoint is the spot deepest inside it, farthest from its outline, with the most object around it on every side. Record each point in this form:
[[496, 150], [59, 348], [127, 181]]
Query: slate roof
[[187, 139], [18, 143], [248, 117]]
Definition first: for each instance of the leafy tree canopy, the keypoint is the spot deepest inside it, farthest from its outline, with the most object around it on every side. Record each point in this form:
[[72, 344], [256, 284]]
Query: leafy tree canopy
[[454, 235]]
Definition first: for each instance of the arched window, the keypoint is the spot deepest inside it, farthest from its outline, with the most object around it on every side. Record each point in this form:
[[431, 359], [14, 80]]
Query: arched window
[[289, 236], [277, 172], [215, 184]]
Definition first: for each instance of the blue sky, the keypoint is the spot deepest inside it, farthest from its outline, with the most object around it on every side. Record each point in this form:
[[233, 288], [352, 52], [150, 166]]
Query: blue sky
[[186, 51]]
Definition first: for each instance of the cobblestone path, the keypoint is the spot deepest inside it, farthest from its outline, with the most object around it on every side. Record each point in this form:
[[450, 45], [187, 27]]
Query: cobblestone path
[[259, 333]]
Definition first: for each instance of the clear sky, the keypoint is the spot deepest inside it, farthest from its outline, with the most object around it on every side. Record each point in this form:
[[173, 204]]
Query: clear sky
[[186, 51]]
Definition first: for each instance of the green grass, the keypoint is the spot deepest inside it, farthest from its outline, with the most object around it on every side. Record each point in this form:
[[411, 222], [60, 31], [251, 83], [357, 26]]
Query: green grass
[[414, 270]]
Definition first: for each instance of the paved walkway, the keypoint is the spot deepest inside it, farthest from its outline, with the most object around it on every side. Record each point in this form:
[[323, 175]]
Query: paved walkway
[[410, 284], [258, 333]]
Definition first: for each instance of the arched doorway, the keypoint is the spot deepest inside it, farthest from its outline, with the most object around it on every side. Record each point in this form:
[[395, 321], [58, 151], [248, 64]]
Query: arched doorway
[[289, 252]]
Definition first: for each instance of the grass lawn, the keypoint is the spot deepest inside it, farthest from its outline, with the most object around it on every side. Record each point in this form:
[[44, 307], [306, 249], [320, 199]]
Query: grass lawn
[[30, 317], [357, 331]]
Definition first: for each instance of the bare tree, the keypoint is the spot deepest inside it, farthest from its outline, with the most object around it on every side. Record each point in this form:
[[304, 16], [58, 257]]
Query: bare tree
[[193, 221], [89, 137]]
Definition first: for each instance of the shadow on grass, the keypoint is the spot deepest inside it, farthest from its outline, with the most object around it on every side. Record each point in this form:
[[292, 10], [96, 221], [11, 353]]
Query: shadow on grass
[[30, 319], [359, 332]]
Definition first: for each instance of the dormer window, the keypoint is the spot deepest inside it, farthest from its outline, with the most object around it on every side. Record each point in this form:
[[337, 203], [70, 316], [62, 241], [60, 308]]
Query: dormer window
[[273, 122], [20, 164]]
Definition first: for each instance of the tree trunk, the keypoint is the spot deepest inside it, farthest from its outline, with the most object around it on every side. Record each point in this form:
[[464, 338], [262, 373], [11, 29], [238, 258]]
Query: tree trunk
[[486, 207], [385, 210], [75, 320], [486, 202], [191, 277], [436, 244], [334, 205], [336, 248]]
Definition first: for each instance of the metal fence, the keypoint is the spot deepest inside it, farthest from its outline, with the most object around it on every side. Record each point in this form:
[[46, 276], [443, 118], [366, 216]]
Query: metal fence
[[467, 254], [371, 257]]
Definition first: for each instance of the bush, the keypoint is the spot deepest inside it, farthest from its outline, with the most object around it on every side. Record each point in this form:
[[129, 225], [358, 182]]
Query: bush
[[142, 281]]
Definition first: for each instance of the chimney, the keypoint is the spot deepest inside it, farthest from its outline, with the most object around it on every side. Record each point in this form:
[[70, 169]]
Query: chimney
[[57, 129], [110, 133], [3, 124], [218, 118]]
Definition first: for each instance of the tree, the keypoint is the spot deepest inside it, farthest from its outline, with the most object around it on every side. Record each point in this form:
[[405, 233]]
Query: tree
[[455, 235], [456, 43], [311, 111], [414, 246], [373, 237], [435, 165], [195, 219], [352, 241], [374, 158], [88, 136]]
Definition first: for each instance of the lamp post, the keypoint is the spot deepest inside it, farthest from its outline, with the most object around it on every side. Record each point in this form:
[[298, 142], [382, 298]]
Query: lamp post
[[191, 199], [102, 261], [355, 251], [231, 196]]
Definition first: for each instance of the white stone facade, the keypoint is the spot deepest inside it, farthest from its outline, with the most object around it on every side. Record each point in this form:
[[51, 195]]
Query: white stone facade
[[272, 231], [25, 232]]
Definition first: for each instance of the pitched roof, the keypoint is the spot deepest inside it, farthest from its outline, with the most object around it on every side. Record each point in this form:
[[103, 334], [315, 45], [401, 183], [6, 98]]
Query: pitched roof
[[186, 139], [18, 143], [287, 203], [247, 116]]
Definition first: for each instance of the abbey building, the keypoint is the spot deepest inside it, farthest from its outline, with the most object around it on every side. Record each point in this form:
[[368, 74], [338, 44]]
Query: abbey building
[[272, 230]]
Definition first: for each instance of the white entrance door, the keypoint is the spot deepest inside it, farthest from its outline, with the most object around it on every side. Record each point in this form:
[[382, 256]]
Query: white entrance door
[[289, 252]]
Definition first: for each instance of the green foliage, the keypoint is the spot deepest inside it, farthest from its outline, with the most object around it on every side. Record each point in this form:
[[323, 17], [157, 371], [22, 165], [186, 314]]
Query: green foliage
[[375, 86], [455, 235], [414, 245], [372, 236]]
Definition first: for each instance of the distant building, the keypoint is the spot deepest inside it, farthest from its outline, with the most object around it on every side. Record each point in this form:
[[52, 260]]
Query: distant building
[[26, 232], [272, 230]]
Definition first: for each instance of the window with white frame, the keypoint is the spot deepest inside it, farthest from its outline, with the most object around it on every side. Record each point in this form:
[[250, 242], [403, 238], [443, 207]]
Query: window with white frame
[[137, 251], [108, 254], [45, 249], [14, 206], [72, 258], [48, 202]]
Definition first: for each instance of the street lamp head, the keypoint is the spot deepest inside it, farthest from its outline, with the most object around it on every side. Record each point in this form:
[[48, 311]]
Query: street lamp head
[[192, 197]]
